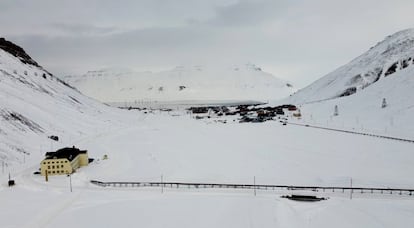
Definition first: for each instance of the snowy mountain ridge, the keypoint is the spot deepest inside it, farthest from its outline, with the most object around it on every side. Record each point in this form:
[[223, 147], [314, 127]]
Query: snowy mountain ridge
[[394, 53], [246, 82], [35, 104], [373, 93]]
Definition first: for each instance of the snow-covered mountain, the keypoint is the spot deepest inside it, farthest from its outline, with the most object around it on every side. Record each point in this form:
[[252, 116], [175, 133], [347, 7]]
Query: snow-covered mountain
[[197, 83], [389, 56], [373, 93], [34, 104]]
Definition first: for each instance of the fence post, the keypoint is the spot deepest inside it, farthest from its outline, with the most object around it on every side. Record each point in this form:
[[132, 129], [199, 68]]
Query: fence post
[[352, 190], [254, 185], [162, 185]]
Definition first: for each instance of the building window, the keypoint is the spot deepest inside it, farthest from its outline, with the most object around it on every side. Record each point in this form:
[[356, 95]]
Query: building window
[[48, 171], [48, 166], [61, 166], [48, 162], [53, 172]]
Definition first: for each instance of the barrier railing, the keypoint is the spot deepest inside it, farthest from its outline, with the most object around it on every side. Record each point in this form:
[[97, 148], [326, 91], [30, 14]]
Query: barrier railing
[[362, 190], [354, 132]]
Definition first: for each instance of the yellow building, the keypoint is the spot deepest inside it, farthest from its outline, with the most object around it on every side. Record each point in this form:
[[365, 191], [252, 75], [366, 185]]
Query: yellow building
[[63, 161]]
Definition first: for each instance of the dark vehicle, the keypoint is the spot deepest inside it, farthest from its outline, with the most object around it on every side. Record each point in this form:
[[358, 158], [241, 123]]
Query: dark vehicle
[[292, 108], [54, 137]]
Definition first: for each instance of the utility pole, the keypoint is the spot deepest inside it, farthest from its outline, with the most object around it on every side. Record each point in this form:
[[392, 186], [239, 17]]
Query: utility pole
[[70, 182], [254, 185], [384, 103], [162, 184], [336, 110]]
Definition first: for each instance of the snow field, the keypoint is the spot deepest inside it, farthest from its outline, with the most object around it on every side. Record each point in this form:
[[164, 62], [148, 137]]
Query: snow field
[[184, 149]]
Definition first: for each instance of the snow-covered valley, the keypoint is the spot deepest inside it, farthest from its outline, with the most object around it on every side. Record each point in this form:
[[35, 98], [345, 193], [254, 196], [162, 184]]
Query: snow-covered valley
[[184, 149], [177, 146]]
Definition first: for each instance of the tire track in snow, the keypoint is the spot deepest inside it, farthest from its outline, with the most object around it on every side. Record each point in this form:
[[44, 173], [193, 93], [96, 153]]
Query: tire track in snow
[[47, 215], [288, 216]]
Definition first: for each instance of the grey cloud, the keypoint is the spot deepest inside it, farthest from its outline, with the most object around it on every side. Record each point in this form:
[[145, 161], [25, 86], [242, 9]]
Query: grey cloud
[[250, 13], [297, 40], [85, 30]]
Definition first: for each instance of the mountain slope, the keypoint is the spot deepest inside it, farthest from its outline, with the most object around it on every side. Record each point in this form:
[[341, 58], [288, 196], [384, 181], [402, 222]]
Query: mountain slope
[[363, 111], [196, 83], [358, 89], [35, 104], [393, 54]]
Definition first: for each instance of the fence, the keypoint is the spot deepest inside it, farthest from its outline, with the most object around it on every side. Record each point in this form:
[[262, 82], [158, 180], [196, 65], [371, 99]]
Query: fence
[[355, 132], [362, 190]]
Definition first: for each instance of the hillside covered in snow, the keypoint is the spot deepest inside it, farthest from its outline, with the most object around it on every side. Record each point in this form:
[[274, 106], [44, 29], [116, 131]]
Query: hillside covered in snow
[[197, 83], [373, 93], [35, 104], [395, 53]]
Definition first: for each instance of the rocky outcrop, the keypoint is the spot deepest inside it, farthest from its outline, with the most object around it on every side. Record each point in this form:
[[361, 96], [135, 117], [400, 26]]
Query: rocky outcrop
[[17, 52]]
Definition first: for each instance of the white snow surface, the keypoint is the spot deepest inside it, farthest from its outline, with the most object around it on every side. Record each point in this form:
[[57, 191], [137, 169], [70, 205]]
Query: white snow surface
[[184, 149], [197, 83], [364, 71]]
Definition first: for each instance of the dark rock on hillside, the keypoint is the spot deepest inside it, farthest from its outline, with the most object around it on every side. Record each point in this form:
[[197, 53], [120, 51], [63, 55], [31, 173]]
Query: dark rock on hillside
[[20, 54], [348, 92], [391, 69], [19, 121], [405, 63], [17, 52]]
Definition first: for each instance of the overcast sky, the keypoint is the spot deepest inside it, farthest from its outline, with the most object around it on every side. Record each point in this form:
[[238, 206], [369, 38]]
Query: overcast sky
[[294, 39]]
